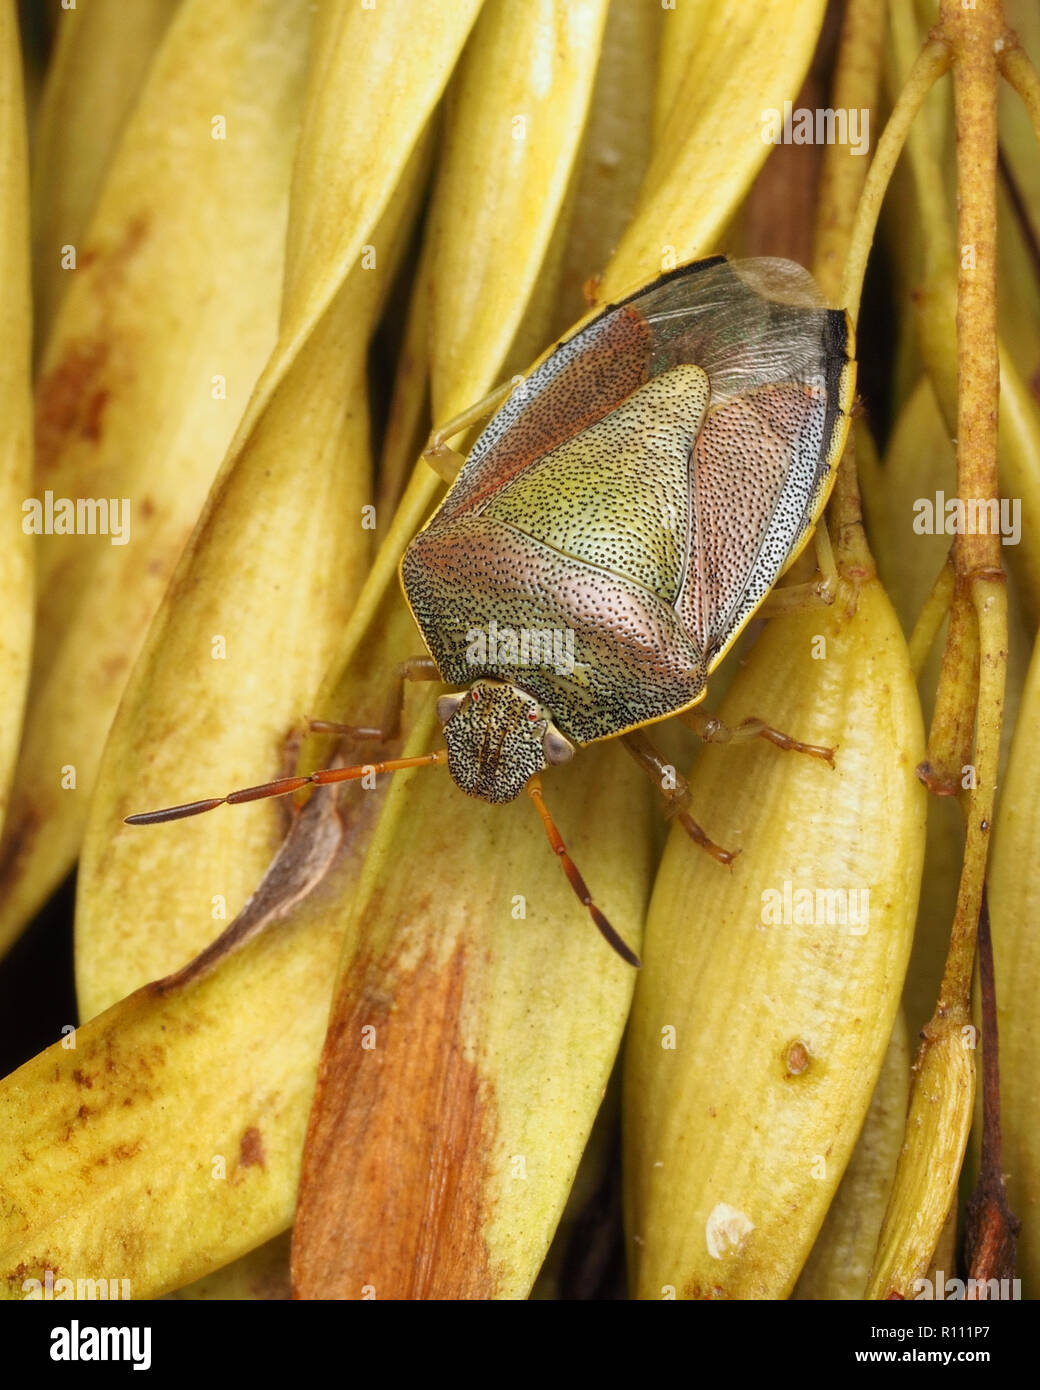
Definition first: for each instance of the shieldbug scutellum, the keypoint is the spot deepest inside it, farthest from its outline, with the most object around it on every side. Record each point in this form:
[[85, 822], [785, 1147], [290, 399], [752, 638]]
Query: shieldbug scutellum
[[613, 529]]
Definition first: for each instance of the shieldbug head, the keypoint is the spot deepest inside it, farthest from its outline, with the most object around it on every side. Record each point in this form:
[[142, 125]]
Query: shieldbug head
[[616, 524]]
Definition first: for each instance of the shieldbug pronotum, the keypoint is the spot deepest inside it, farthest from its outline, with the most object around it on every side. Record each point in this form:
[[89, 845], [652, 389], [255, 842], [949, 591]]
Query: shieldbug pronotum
[[620, 519]]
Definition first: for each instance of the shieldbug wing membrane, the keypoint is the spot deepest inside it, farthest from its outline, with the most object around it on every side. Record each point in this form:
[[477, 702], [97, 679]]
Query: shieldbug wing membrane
[[615, 526]]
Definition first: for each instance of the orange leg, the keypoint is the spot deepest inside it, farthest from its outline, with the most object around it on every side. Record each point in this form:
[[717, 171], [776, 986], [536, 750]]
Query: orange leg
[[416, 668], [676, 792], [446, 461], [818, 592], [574, 878], [714, 730]]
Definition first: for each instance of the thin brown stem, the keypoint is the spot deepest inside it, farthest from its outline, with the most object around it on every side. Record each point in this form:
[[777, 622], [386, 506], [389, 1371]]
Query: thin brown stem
[[991, 1229]]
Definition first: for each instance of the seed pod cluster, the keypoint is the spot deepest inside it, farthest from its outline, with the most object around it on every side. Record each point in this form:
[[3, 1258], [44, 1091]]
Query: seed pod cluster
[[356, 1044]]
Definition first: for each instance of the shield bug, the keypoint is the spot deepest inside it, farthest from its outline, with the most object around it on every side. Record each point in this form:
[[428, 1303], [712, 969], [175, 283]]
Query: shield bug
[[614, 527]]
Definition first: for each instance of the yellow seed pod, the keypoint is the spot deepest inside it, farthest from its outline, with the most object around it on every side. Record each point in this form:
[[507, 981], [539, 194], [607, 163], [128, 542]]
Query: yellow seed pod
[[102, 53], [742, 61], [150, 362], [464, 1111], [297, 492], [1014, 899], [532, 113], [769, 992], [162, 1139], [263, 1274], [844, 1251], [16, 567]]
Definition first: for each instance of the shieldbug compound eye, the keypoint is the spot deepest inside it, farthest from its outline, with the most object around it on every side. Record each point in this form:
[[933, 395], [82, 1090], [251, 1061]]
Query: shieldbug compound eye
[[557, 748], [447, 705], [616, 525]]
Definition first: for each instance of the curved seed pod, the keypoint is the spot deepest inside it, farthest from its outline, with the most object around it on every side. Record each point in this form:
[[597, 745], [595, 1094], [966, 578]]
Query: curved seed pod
[[1013, 901], [102, 52], [844, 1251], [16, 568], [228, 668], [162, 1139], [530, 117], [375, 78], [615, 151], [456, 1095], [921, 1202], [263, 1274], [733, 1153], [747, 60], [682, 30], [172, 307], [919, 462], [263, 1090]]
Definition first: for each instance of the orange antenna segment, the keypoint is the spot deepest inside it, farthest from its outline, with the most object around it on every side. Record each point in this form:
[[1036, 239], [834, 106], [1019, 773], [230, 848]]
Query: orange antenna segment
[[574, 878], [284, 785]]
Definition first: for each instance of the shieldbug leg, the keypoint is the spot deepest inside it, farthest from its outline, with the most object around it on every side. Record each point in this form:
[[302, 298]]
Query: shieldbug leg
[[818, 592], [446, 461], [284, 785], [675, 790], [415, 668], [714, 730], [574, 878]]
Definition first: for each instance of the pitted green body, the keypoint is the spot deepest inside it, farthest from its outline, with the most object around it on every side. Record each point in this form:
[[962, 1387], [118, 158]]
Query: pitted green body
[[617, 496]]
